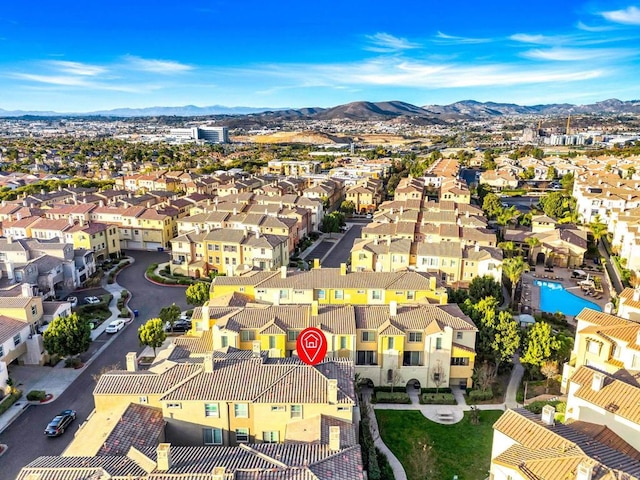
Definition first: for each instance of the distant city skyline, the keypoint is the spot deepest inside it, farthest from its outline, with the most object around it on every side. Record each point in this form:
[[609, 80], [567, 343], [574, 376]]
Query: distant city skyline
[[76, 56]]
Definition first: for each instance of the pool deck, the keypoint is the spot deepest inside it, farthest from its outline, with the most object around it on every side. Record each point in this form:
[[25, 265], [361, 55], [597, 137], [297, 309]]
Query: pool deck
[[530, 298]]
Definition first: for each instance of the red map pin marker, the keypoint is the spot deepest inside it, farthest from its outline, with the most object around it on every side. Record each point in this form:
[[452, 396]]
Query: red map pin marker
[[311, 346]]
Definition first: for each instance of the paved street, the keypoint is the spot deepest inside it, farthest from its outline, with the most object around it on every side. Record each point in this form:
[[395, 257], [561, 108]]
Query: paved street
[[523, 204], [25, 436], [342, 251]]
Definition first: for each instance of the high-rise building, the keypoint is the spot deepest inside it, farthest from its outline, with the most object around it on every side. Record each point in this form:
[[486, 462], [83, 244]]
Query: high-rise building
[[213, 134]]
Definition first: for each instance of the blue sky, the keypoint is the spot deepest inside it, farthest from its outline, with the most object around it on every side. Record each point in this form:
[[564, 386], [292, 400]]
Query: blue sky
[[73, 56]]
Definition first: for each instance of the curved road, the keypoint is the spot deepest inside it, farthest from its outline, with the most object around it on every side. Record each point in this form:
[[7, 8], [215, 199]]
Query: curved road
[[25, 436]]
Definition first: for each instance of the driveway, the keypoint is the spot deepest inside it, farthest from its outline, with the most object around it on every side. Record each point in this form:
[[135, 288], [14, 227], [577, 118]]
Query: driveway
[[341, 253]]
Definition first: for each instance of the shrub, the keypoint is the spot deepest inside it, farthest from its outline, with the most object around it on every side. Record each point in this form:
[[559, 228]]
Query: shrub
[[110, 278], [36, 395], [435, 390], [9, 400], [72, 362], [124, 313], [395, 397], [479, 395], [437, 399], [124, 294], [536, 407]]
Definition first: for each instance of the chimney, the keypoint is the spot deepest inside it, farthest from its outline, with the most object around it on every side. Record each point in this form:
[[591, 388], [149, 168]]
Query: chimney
[[235, 211], [257, 234], [132, 362], [636, 294], [208, 362], [255, 348], [477, 247], [388, 241], [584, 471], [332, 391], [343, 269], [432, 283], [283, 271], [316, 263], [163, 452], [314, 309], [375, 241], [393, 308], [205, 317], [26, 290], [70, 220], [334, 439], [219, 473], [42, 192], [101, 203], [548, 415], [597, 382]]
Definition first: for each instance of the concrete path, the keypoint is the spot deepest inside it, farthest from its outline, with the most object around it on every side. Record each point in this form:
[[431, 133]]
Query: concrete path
[[514, 383]]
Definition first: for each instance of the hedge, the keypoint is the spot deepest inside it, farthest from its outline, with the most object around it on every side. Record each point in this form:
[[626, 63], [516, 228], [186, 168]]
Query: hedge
[[437, 399], [395, 397], [536, 407], [36, 395], [478, 395], [397, 388], [9, 400], [435, 390]]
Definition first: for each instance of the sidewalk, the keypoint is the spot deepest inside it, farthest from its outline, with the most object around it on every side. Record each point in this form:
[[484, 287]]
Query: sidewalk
[[56, 380]]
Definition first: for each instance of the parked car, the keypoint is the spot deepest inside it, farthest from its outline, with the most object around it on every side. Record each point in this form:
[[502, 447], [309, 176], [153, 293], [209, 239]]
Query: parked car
[[73, 301], [91, 300], [59, 423], [115, 326], [179, 326]]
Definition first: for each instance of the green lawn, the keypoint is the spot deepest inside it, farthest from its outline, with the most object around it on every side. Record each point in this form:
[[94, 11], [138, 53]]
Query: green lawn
[[461, 449]]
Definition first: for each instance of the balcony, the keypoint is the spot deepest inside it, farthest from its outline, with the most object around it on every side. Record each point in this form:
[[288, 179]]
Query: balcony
[[177, 262]]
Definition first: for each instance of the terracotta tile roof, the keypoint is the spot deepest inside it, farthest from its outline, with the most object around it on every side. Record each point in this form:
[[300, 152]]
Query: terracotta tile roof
[[599, 318], [627, 294], [140, 426], [9, 327], [74, 468], [144, 382]]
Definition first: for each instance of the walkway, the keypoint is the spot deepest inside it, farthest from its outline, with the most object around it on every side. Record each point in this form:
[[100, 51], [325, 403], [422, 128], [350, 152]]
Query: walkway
[[56, 380]]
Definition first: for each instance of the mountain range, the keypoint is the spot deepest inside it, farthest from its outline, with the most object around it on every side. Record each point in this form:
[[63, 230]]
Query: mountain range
[[362, 111]]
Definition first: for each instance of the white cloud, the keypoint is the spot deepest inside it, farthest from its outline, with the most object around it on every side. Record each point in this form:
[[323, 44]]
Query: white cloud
[[590, 28], [386, 43], [535, 39], [156, 66], [63, 80], [627, 16], [577, 54], [76, 68], [444, 38]]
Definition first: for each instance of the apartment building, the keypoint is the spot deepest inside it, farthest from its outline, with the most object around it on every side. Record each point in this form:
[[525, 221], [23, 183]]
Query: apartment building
[[334, 286], [292, 167], [629, 304], [411, 341], [366, 195], [601, 194], [227, 251], [625, 229]]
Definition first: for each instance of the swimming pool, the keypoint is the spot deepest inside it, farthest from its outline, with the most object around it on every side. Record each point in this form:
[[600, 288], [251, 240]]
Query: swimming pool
[[554, 298]]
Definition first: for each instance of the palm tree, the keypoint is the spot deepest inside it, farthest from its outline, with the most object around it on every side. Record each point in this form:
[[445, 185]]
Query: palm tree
[[513, 268], [598, 229], [533, 242], [509, 248]]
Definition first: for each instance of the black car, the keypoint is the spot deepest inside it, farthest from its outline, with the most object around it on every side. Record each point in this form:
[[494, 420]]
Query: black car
[[60, 422], [179, 326]]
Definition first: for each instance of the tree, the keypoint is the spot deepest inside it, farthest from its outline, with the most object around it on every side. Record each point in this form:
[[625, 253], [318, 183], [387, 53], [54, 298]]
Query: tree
[[438, 375], [552, 173], [170, 314], [394, 377], [484, 376], [152, 334], [540, 345], [631, 171], [509, 248], [507, 215], [513, 268], [553, 204], [567, 182], [331, 223], [491, 205], [506, 339], [347, 207], [485, 286], [197, 293], [598, 229], [549, 369], [67, 336], [533, 242]]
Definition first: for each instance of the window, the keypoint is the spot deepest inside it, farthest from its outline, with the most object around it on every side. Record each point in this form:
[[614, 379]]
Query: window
[[211, 410], [174, 405], [366, 357], [247, 335], [34, 309], [212, 436], [296, 411], [16, 340], [411, 295], [593, 347], [241, 410], [376, 295], [321, 295], [292, 335], [224, 341], [344, 409], [284, 294], [272, 341], [436, 376], [390, 343], [412, 358], [460, 361], [143, 400], [271, 436], [343, 343], [242, 435], [635, 362], [368, 336], [1, 351], [458, 335], [438, 343], [338, 294], [278, 408], [415, 336]]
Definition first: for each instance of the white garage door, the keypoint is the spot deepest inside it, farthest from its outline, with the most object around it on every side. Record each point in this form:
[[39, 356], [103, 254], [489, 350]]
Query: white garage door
[[134, 245], [153, 246]]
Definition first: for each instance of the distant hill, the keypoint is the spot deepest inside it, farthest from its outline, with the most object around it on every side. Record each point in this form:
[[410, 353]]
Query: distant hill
[[360, 111]]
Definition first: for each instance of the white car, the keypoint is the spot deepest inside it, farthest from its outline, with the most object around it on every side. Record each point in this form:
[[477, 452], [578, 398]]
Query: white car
[[115, 326], [92, 300], [73, 301]]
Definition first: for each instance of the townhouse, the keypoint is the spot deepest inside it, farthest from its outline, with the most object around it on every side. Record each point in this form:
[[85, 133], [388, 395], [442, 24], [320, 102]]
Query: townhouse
[[366, 195], [602, 194], [499, 180], [227, 251]]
